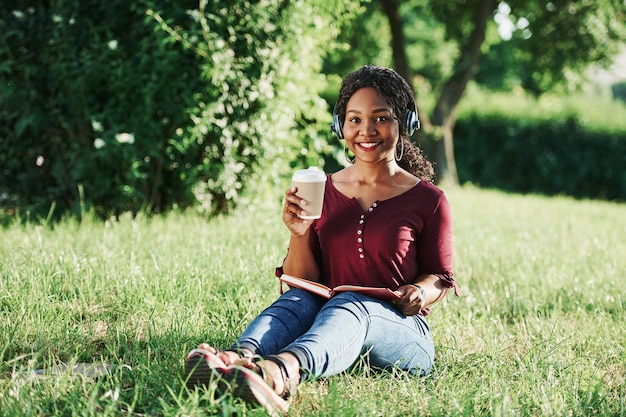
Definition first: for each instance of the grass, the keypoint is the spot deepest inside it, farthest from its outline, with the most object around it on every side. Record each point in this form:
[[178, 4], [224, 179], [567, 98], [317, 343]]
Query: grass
[[590, 110], [538, 330]]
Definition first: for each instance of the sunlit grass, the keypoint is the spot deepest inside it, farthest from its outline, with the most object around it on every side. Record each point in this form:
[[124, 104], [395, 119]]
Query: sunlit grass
[[538, 329], [589, 110]]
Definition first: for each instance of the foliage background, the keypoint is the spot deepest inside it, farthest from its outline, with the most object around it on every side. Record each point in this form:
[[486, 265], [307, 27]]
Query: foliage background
[[148, 106]]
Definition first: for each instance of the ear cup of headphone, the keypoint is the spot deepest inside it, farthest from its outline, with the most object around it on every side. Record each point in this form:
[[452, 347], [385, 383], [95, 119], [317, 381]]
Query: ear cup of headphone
[[336, 127], [412, 121]]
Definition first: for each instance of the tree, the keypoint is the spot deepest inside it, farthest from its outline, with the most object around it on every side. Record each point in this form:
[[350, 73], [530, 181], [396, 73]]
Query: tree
[[549, 41]]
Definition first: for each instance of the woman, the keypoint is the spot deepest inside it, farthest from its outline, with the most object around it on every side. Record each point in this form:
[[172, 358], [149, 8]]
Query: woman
[[384, 224]]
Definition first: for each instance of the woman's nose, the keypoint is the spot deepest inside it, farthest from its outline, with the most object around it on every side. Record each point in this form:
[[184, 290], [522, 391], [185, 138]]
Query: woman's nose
[[368, 127]]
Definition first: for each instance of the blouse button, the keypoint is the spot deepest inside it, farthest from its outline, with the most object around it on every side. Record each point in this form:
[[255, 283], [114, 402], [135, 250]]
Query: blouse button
[[360, 249], [361, 221], [375, 205], [359, 232], [370, 209], [360, 240], [361, 256]]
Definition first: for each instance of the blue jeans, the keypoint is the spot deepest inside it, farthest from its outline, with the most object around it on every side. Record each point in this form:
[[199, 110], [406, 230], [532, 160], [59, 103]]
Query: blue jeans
[[328, 336]]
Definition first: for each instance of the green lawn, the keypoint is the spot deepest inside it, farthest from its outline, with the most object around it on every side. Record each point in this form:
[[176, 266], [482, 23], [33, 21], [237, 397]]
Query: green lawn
[[538, 330]]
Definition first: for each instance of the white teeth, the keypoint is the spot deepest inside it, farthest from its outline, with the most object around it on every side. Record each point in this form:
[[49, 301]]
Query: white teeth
[[368, 144]]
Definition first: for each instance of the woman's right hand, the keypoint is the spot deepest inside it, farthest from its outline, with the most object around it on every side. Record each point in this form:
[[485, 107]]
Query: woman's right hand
[[294, 205]]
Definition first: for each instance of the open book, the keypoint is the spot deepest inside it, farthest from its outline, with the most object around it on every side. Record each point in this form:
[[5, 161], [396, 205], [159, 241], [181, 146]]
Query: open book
[[323, 291]]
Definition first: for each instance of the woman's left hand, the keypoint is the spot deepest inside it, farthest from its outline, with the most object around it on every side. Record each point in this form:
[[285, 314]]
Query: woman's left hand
[[410, 302]]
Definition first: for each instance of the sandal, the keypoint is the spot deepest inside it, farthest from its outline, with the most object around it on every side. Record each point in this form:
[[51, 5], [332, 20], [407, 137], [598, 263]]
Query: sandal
[[255, 385], [202, 365], [200, 368]]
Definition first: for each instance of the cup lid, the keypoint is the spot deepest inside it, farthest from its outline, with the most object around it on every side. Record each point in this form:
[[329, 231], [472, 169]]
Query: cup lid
[[311, 174]]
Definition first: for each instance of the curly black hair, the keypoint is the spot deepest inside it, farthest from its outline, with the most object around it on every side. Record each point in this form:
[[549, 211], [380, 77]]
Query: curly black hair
[[399, 95]]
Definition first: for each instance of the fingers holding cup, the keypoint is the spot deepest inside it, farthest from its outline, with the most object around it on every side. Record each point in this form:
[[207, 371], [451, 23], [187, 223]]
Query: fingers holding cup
[[310, 184]]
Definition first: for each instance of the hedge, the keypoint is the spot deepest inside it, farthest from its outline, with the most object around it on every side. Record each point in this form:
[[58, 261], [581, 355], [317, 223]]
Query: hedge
[[546, 155]]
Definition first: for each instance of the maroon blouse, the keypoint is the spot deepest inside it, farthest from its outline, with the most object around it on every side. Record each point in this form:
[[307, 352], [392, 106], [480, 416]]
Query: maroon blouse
[[387, 245]]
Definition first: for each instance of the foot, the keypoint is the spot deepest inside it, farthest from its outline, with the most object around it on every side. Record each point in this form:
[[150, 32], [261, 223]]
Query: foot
[[228, 357], [281, 370]]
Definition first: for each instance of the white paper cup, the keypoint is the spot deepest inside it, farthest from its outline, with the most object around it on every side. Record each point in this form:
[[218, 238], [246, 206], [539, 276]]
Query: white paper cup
[[311, 183]]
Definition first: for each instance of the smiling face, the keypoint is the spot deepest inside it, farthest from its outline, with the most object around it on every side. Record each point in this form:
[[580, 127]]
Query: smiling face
[[371, 129]]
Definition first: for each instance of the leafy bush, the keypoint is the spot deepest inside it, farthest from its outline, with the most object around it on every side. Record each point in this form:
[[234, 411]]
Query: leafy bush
[[259, 111], [90, 100], [126, 106]]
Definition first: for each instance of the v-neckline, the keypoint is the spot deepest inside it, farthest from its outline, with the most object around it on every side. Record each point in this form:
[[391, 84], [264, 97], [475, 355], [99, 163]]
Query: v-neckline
[[374, 203]]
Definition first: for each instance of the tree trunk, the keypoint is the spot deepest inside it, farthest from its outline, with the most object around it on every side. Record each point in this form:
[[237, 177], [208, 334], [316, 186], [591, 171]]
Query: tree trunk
[[465, 69], [391, 9]]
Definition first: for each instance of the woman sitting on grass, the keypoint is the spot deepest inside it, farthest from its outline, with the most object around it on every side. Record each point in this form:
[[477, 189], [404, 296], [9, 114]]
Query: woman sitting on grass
[[384, 224]]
